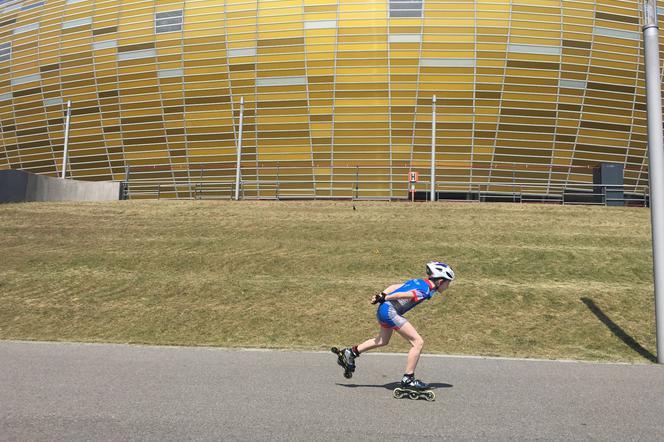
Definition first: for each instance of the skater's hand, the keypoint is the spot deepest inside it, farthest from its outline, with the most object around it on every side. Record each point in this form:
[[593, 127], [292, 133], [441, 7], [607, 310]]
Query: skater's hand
[[378, 298]]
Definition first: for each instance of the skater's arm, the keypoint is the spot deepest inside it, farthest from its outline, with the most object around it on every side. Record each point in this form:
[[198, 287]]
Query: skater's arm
[[389, 295], [400, 295], [391, 288]]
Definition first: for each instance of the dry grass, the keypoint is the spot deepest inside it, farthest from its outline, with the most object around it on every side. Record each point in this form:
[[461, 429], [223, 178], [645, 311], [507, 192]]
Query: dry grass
[[298, 275]]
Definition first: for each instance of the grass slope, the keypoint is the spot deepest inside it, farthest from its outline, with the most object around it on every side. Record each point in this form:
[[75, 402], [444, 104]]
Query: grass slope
[[533, 280]]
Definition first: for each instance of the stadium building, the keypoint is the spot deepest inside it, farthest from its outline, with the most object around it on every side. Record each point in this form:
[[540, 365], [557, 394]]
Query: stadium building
[[531, 95]]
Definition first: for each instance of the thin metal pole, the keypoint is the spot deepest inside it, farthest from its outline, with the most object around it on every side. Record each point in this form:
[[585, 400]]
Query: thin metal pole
[[127, 173], [64, 154], [433, 149], [239, 153], [656, 162]]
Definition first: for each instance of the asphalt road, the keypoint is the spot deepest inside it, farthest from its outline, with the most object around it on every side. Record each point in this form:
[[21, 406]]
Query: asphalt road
[[71, 392]]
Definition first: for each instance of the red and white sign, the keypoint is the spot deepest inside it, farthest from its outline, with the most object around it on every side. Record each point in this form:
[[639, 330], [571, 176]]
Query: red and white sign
[[413, 177]]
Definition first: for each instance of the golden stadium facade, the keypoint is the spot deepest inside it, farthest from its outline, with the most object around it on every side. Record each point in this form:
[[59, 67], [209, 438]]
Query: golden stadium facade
[[337, 94]]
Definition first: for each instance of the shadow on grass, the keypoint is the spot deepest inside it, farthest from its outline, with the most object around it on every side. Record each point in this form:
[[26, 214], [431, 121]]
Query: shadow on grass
[[616, 330], [392, 385]]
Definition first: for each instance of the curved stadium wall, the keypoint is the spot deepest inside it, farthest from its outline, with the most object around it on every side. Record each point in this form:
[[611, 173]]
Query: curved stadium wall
[[338, 95]]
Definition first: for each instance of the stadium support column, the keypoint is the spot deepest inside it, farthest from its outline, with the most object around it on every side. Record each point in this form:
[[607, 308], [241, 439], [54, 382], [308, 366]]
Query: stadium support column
[[433, 149], [239, 153], [64, 153], [655, 162]]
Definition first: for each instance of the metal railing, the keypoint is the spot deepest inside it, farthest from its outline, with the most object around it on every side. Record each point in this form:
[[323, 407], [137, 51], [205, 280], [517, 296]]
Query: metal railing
[[354, 188]]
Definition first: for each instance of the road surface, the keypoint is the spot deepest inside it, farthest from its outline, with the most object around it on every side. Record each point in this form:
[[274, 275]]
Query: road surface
[[66, 391]]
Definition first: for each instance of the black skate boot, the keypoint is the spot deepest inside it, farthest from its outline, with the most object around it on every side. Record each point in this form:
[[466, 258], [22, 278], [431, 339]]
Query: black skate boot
[[346, 359], [349, 358], [414, 384], [414, 389]]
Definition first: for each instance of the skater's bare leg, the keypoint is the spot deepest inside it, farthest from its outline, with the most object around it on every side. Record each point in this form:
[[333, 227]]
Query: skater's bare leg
[[408, 332], [381, 340]]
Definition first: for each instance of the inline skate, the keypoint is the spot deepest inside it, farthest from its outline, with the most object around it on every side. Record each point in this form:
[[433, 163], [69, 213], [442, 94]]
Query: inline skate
[[346, 359], [412, 388]]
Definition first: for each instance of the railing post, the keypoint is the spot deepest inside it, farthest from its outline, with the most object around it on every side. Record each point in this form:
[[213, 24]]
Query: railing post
[[126, 187], [239, 154], [65, 150], [604, 195], [433, 149]]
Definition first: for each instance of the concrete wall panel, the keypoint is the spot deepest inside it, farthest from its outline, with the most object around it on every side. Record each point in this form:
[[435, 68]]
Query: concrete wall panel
[[20, 186]]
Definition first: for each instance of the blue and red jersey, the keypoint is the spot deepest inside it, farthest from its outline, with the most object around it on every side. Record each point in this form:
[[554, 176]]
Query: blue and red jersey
[[421, 289]]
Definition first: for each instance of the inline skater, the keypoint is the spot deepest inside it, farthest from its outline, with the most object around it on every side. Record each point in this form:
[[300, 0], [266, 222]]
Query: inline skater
[[394, 302]]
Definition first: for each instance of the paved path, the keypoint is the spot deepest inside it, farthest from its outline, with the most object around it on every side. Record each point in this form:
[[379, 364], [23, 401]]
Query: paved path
[[118, 392]]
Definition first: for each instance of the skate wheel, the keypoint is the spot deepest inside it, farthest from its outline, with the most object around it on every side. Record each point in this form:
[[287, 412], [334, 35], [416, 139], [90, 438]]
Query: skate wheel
[[397, 393], [348, 375], [413, 396], [430, 396], [334, 350]]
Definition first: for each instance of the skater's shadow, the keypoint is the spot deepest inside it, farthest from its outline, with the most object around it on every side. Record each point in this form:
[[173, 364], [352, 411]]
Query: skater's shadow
[[392, 385]]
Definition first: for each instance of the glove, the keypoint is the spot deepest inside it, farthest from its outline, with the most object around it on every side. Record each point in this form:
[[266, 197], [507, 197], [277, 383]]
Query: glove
[[378, 298]]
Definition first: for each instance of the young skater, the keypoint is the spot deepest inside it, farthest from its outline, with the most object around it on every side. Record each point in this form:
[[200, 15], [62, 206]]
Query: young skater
[[394, 302]]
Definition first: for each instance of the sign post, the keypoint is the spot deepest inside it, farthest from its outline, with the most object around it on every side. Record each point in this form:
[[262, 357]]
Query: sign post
[[413, 177]]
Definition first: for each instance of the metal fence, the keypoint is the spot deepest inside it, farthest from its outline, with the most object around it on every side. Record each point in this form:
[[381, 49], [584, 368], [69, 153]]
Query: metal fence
[[373, 189]]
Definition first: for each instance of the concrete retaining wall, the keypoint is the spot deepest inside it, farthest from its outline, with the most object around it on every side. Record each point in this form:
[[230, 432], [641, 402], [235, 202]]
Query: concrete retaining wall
[[20, 186]]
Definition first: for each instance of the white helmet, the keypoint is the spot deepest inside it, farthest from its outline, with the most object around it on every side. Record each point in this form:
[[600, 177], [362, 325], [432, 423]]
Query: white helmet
[[437, 270]]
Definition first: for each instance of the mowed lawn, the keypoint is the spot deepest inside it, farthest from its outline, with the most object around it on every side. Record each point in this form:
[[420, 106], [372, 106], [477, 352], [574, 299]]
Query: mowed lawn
[[541, 281]]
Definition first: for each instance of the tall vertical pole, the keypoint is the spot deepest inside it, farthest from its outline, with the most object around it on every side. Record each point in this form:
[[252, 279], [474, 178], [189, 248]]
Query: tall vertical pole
[[239, 153], [64, 154], [655, 162], [433, 149]]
